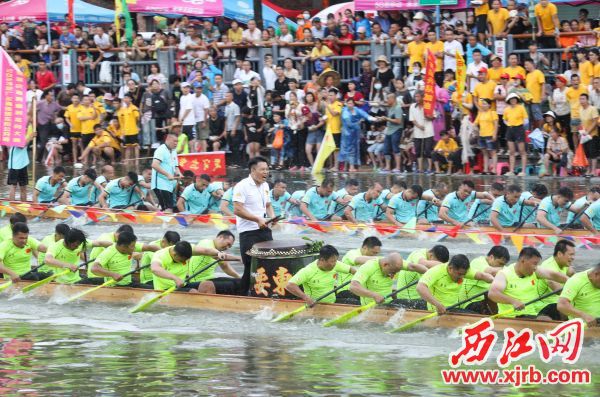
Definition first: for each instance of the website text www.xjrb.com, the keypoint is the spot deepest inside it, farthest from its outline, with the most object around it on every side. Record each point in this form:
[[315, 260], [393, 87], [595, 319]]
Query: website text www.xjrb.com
[[516, 377]]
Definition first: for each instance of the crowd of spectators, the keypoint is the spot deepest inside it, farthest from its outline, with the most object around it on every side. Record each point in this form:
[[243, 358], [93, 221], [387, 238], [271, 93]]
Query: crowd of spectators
[[376, 117]]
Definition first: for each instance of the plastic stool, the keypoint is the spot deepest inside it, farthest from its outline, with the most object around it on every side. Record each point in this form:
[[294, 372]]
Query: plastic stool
[[499, 167]]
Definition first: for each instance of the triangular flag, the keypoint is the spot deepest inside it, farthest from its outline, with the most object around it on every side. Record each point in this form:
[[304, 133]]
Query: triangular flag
[[431, 229], [131, 217], [542, 239], [76, 213], [475, 238], [440, 237], [517, 240], [203, 218], [383, 230], [93, 215], [496, 238], [233, 221], [593, 240], [219, 224], [59, 209], [146, 218], [297, 221], [553, 239], [452, 232], [164, 218], [181, 220], [317, 227], [410, 226]]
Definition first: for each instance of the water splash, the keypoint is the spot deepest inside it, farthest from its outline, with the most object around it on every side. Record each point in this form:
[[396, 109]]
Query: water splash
[[265, 314], [396, 319]]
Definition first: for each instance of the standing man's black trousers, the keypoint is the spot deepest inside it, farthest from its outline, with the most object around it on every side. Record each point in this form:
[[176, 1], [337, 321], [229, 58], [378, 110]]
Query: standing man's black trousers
[[247, 240]]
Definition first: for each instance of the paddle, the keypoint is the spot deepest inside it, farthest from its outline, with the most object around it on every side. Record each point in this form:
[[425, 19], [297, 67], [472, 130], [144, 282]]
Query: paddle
[[45, 281], [520, 225], [287, 316], [328, 217], [143, 306], [434, 314], [344, 318], [108, 283], [9, 283], [509, 311], [575, 218]]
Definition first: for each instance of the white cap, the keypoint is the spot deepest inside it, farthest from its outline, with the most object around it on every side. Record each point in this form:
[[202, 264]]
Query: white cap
[[236, 81], [511, 96], [185, 84], [419, 15]]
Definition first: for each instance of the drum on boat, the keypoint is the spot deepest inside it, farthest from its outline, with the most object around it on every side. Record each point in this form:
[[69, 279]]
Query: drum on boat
[[275, 262]]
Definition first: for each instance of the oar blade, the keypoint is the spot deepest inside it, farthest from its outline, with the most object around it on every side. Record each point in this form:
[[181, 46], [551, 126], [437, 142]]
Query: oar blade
[[344, 318], [5, 285], [287, 316], [88, 291], [413, 323], [45, 281], [144, 305]]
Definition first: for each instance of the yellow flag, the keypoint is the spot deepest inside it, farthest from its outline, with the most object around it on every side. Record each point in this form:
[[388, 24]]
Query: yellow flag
[[461, 75], [327, 147], [518, 241], [475, 237], [118, 12]]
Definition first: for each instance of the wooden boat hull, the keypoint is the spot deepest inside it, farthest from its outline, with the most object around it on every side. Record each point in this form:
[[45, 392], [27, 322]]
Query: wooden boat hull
[[251, 305], [152, 218]]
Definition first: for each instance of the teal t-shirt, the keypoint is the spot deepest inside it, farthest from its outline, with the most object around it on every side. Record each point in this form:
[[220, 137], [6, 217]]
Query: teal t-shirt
[[457, 208]]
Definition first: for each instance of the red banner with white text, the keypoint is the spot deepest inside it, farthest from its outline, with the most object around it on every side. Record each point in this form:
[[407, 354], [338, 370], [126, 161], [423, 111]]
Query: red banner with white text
[[210, 163], [429, 97]]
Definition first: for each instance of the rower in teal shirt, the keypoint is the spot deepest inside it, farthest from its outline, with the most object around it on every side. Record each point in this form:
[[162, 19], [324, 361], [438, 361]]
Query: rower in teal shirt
[[551, 208], [429, 205], [279, 197], [293, 210], [118, 193], [343, 197], [591, 197], [79, 188], [316, 201], [216, 190], [195, 198], [528, 214], [454, 207], [227, 200], [480, 210], [591, 217], [365, 206], [403, 206], [46, 187]]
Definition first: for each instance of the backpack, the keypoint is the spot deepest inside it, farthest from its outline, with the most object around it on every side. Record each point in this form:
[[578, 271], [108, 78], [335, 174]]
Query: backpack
[[159, 107]]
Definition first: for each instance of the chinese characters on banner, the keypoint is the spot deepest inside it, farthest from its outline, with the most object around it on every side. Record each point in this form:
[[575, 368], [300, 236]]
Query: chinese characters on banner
[[210, 163], [402, 5], [13, 109], [461, 75], [201, 8], [429, 97]]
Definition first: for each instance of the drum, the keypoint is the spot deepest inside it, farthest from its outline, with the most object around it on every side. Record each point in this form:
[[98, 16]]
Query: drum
[[274, 263]]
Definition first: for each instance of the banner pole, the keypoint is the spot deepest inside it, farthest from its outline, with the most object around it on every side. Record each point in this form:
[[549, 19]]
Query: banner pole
[[34, 129]]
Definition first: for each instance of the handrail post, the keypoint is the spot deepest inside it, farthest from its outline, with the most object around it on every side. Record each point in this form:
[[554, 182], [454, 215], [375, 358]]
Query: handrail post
[[166, 60], [510, 44]]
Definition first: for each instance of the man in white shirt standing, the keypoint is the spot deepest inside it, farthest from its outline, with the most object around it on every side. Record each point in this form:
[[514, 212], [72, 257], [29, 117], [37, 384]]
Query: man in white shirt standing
[[284, 40], [102, 41], [186, 114], [451, 46], [422, 132], [473, 69], [201, 105], [251, 36], [252, 208]]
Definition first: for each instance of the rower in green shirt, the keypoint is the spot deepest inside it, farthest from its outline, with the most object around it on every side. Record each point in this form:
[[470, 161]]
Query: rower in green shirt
[[115, 260], [209, 284], [495, 260], [6, 230], [375, 278], [370, 249], [319, 277], [66, 254], [60, 231], [441, 284], [517, 284], [169, 239], [417, 263], [16, 254], [581, 296], [112, 237], [560, 262]]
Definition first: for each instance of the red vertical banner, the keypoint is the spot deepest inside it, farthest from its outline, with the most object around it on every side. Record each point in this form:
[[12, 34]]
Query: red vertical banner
[[71, 16], [429, 97]]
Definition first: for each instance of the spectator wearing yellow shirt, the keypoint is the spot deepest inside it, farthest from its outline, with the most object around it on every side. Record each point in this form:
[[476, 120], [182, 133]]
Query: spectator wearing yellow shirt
[[484, 89], [100, 110], [129, 116], [235, 33], [586, 69], [487, 121], [87, 114], [515, 118], [589, 126], [463, 104], [102, 145], [23, 64], [513, 67], [72, 118], [333, 122], [443, 152], [497, 19], [496, 70], [573, 93], [535, 82], [415, 51], [437, 49], [594, 56], [482, 8], [547, 22]]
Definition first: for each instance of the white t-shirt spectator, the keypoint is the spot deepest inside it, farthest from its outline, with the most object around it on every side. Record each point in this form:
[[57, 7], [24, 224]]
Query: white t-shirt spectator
[[252, 37], [416, 114], [473, 70], [186, 102], [269, 77], [451, 47], [201, 105], [245, 77], [231, 112], [286, 52], [103, 42], [299, 93]]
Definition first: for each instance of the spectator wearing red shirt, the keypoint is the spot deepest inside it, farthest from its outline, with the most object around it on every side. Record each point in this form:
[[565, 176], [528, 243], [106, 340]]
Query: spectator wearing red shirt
[[44, 77], [345, 41]]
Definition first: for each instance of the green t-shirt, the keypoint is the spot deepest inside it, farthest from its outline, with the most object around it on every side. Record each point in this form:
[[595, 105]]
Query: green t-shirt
[[370, 276], [543, 287], [146, 274], [63, 254], [582, 294], [316, 282], [166, 260], [197, 262], [17, 259], [348, 259], [5, 233], [47, 241], [406, 277], [521, 288], [113, 260], [441, 285], [96, 251], [470, 287]]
